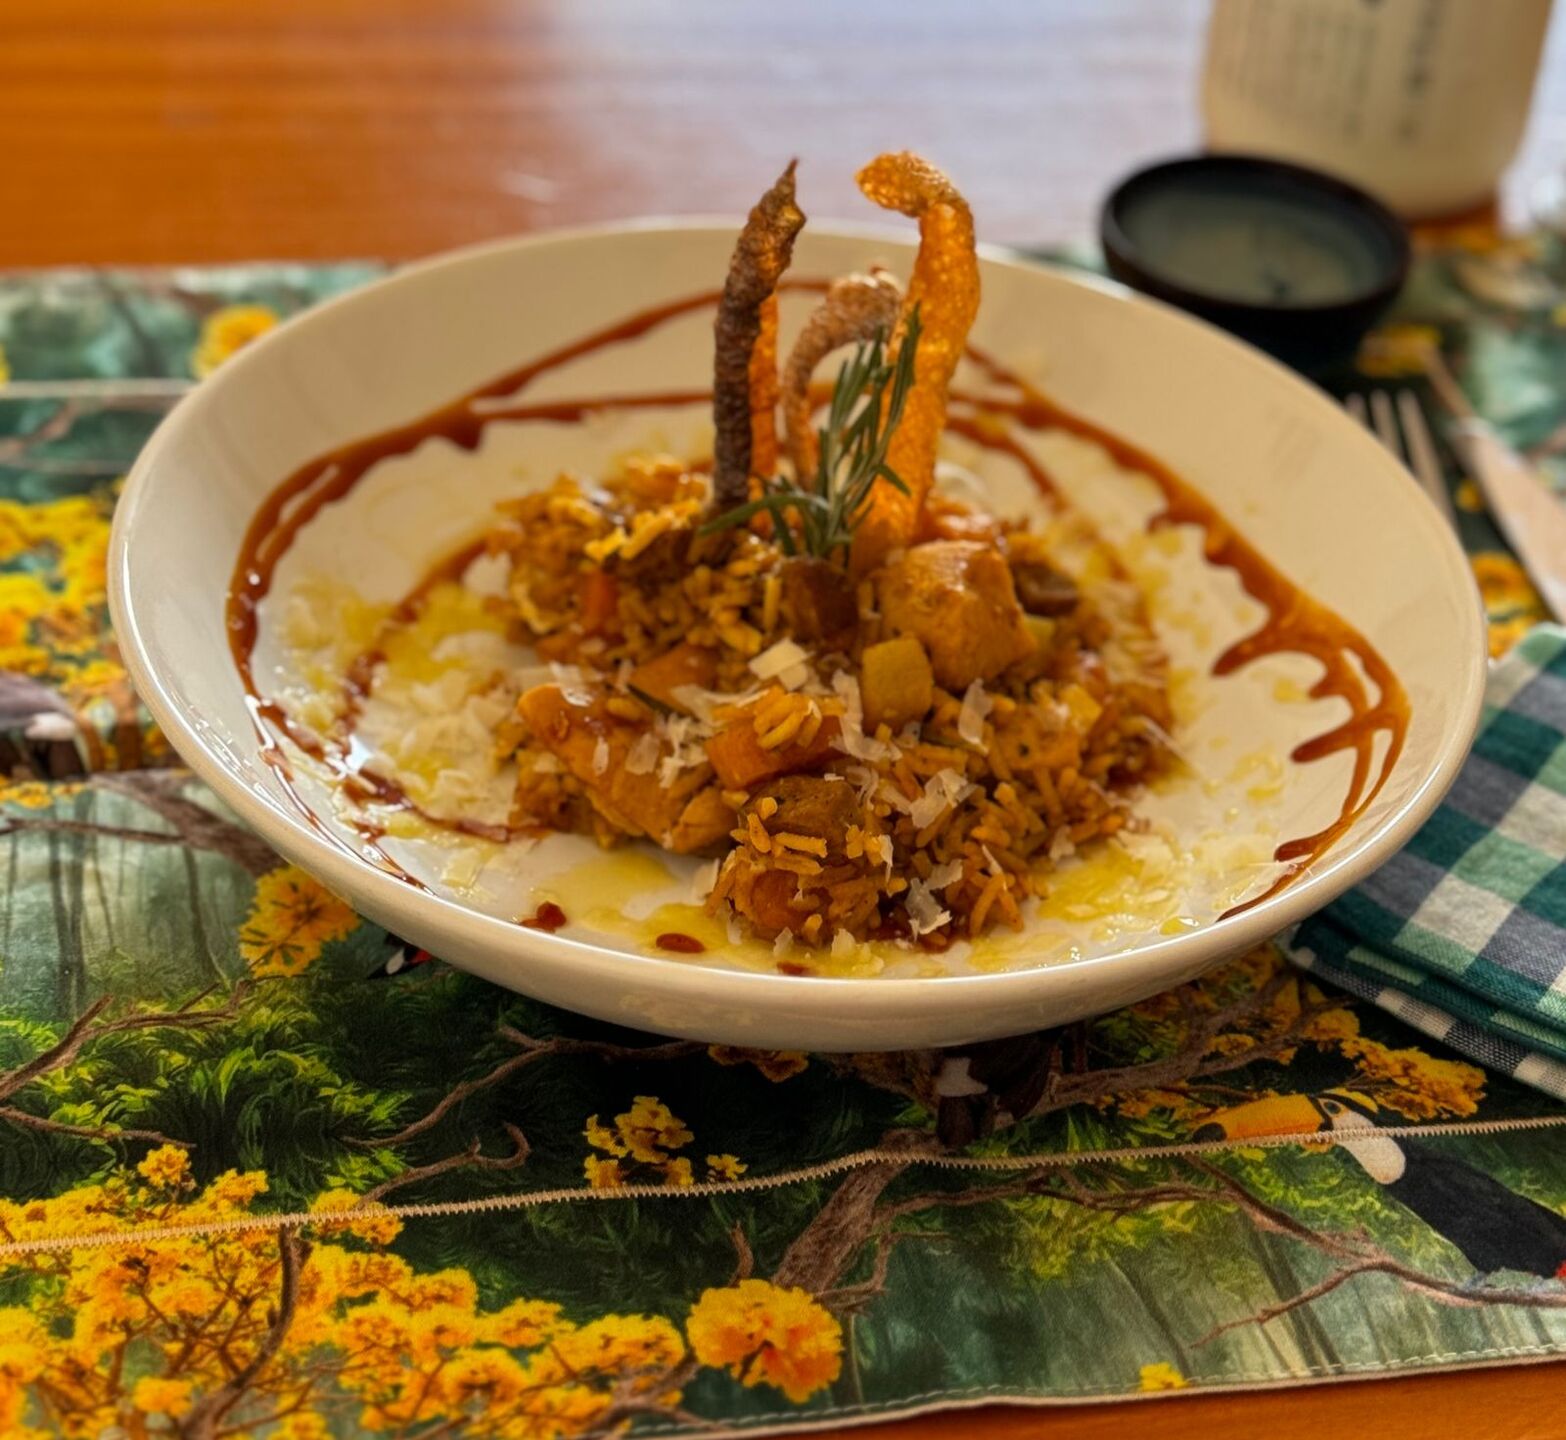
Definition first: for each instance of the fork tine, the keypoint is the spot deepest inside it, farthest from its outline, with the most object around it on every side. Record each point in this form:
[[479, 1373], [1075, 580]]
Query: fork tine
[[1385, 422], [1354, 403], [1422, 458]]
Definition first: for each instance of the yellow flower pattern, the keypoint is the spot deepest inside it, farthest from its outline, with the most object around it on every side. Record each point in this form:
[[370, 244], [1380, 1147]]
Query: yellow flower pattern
[[1511, 602], [227, 331], [161, 1397], [1398, 350], [638, 1149], [765, 1335], [404, 1348], [1161, 1376], [165, 1168], [54, 612], [776, 1065], [292, 917]]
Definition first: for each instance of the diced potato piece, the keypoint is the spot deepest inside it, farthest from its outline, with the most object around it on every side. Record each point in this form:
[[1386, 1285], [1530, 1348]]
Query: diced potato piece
[[1042, 630], [684, 665], [1082, 707], [896, 683], [740, 761]]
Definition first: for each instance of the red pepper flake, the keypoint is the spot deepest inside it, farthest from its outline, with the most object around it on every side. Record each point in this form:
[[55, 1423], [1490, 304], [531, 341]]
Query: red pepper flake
[[793, 967], [549, 917], [681, 944]]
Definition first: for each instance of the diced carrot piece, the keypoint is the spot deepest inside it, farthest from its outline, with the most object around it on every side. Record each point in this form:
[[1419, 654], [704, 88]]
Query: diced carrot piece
[[768, 904], [686, 664], [600, 601], [740, 761]]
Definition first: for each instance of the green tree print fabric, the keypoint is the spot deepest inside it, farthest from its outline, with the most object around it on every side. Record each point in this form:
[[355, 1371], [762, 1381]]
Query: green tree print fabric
[[264, 1171]]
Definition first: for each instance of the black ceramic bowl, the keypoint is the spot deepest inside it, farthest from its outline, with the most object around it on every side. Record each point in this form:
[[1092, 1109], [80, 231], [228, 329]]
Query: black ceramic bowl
[[1303, 331]]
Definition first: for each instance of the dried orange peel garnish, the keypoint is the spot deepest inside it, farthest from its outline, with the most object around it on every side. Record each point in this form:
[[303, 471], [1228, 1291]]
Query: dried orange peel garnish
[[856, 308], [945, 287], [760, 257]]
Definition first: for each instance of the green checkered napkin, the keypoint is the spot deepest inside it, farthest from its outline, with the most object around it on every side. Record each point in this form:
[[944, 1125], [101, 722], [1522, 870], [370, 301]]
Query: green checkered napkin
[[1463, 933]]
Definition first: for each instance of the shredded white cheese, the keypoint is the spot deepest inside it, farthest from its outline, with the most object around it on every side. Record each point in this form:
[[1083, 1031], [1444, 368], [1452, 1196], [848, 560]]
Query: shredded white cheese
[[775, 662], [642, 758], [703, 703], [864, 780], [574, 685], [942, 791], [600, 756], [851, 725], [943, 875], [924, 911], [488, 575], [976, 704]]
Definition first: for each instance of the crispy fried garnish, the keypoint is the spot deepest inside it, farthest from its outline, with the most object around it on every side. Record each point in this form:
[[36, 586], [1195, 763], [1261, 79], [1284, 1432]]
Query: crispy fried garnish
[[945, 287], [764, 392], [760, 258], [855, 308]]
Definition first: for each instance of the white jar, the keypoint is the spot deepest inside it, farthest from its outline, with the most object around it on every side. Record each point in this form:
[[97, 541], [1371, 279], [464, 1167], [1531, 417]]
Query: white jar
[[1421, 102]]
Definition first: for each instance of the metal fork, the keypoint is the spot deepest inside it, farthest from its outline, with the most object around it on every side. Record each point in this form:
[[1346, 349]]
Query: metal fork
[[1401, 426]]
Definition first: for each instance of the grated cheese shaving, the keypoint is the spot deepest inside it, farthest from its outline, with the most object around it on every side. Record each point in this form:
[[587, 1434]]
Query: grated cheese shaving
[[943, 790], [574, 685], [488, 575], [600, 756], [643, 756], [851, 724], [775, 662], [943, 875], [703, 703], [924, 911], [976, 704]]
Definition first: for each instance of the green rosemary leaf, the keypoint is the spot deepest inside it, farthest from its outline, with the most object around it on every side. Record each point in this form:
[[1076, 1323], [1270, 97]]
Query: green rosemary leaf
[[867, 405]]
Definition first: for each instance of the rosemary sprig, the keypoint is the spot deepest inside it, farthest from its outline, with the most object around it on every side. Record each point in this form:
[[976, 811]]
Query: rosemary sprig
[[866, 407]]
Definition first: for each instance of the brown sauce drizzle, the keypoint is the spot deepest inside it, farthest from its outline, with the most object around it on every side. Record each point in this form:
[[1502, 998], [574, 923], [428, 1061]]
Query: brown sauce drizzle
[[1295, 623], [549, 917], [679, 943]]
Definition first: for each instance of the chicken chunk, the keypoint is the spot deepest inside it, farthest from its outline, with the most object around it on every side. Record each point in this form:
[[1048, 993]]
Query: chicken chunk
[[810, 805], [957, 598], [574, 725], [819, 602]]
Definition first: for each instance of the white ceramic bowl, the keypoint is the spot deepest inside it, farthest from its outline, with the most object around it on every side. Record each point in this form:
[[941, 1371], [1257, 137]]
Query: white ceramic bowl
[[1314, 492]]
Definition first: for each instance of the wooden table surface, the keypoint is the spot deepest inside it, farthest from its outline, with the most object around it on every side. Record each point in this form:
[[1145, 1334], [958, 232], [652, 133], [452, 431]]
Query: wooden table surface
[[203, 130]]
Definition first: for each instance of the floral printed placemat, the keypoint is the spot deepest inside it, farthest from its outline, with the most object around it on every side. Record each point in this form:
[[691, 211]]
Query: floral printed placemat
[[266, 1172]]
